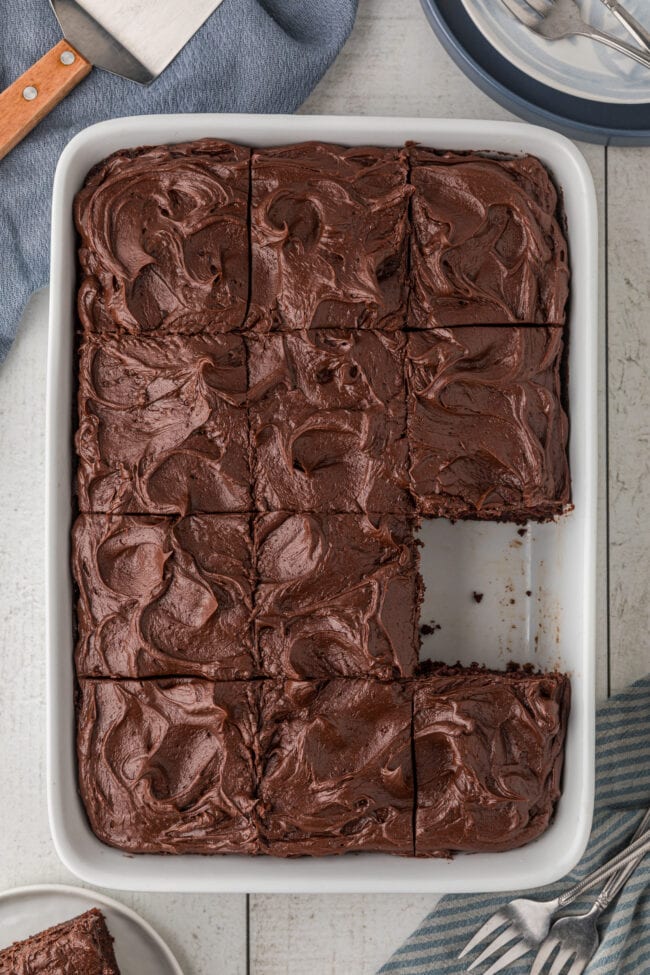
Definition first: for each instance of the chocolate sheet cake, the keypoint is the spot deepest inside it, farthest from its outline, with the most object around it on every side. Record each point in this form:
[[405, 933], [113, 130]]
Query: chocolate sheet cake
[[168, 766], [337, 596], [329, 237], [335, 767], [486, 242], [162, 425], [82, 946], [164, 240], [328, 422], [322, 767], [259, 437], [487, 429], [164, 596], [488, 754]]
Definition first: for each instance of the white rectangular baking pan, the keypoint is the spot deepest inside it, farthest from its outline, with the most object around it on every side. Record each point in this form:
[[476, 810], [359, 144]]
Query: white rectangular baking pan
[[554, 626]]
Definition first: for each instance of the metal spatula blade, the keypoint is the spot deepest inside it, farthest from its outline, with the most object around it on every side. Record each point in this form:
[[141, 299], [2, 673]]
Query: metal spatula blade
[[133, 38]]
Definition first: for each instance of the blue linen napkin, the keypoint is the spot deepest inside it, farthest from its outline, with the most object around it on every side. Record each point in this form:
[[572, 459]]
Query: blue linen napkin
[[622, 796], [249, 56]]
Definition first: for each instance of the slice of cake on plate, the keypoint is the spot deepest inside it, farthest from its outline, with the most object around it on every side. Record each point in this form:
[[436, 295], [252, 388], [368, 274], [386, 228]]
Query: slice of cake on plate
[[83, 946]]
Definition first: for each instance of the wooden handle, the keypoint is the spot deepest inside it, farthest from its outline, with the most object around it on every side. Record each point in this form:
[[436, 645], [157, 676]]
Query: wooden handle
[[32, 96]]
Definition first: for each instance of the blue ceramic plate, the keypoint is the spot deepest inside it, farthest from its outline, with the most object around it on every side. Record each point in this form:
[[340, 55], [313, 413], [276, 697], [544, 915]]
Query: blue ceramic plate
[[580, 118]]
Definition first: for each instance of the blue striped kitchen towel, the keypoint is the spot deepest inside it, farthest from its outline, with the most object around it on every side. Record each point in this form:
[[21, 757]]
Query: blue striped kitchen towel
[[622, 796], [249, 56]]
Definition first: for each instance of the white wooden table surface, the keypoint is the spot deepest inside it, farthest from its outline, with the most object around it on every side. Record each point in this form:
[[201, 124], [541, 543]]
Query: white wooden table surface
[[392, 65]]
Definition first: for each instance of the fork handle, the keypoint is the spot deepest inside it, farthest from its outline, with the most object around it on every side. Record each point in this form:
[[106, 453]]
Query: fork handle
[[621, 46], [636, 29], [618, 880], [634, 851]]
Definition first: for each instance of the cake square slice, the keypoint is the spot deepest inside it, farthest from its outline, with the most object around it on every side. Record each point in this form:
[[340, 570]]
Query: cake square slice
[[487, 430], [489, 750], [329, 231], [167, 766], [486, 244], [328, 421], [82, 945], [163, 427], [335, 771], [164, 240], [163, 596], [337, 596]]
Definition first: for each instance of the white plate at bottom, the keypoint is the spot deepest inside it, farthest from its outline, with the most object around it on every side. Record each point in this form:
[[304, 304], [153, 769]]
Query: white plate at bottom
[[138, 949]]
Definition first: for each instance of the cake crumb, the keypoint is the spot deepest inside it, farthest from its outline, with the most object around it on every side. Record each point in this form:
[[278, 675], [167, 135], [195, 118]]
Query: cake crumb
[[427, 629], [478, 597], [528, 592], [522, 531]]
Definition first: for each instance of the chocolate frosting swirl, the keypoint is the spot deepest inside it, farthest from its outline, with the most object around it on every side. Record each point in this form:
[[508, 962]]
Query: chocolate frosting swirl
[[164, 239], [338, 595], [488, 751], [167, 766], [335, 770], [162, 425], [487, 429], [158, 596], [294, 768], [486, 244], [328, 421], [329, 237]]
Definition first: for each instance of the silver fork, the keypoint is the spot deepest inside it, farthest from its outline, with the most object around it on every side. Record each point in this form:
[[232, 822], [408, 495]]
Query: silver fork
[[576, 936], [527, 922], [637, 30], [557, 19]]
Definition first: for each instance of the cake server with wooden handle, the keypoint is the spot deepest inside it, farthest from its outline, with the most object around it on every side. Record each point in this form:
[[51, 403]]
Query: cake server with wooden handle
[[135, 39]]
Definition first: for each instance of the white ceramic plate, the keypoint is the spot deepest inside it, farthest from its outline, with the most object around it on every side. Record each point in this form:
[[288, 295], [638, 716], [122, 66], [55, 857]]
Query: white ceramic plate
[[553, 627], [576, 66], [138, 949]]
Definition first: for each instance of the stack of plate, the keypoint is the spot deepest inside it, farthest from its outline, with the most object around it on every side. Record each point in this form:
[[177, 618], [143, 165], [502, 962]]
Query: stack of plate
[[576, 86]]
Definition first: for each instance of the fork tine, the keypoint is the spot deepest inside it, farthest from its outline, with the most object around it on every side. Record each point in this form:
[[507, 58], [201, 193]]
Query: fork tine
[[496, 921], [562, 957], [578, 966], [517, 951], [504, 939], [546, 949], [528, 19], [541, 7]]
